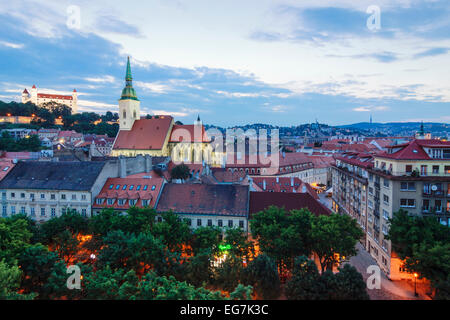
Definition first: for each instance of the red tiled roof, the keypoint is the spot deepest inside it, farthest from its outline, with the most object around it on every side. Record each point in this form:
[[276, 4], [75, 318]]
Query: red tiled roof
[[414, 150], [356, 159], [128, 194], [260, 201], [146, 134], [54, 96], [187, 133], [25, 91], [223, 175], [5, 166], [284, 184], [213, 199]]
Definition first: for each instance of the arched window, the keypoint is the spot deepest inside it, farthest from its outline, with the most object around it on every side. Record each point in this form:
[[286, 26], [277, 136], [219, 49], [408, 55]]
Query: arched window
[[124, 114], [134, 114]]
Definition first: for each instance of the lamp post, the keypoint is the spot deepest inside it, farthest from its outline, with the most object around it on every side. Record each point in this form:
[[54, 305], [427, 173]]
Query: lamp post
[[415, 285]]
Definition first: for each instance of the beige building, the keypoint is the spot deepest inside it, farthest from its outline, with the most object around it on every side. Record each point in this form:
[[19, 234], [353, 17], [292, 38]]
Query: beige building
[[415, 177]]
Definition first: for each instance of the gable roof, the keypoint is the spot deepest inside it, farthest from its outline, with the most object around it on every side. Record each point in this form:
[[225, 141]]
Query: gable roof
[[260, 201], [413, 150], [215, 199], [67, 175], [187, 133], [146, 134]]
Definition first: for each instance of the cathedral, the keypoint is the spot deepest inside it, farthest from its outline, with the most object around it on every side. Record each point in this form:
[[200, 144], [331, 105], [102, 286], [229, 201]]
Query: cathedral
[[157, 135]]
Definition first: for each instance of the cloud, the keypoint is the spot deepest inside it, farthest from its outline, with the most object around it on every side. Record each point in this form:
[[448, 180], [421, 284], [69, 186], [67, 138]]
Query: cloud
[[153, 87], [432, 52], [104, 79], [111, 24], [384, 57], [371, 108], [169, 113], [12, 45]]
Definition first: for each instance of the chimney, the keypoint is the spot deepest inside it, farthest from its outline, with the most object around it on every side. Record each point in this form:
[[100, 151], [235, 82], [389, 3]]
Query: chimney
[[148, 163], [264, 184], [122, 167]]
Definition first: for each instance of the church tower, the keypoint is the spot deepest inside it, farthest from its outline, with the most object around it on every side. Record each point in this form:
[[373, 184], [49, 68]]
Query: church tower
[[129, 104]]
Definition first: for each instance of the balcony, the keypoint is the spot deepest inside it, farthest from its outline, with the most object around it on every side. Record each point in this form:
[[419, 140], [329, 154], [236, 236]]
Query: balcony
[[438, 193]]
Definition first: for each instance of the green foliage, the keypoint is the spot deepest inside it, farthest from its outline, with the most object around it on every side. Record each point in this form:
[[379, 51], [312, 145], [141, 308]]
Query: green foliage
[[229, 273], [14, 238], [173, 231], [9, 283], [334, 234], [262, 274], [37, 263], [7, 143], [241, 246], [283, 236], [424, 244], [308, 284], [180, 171], [71, 221], [206, 238]]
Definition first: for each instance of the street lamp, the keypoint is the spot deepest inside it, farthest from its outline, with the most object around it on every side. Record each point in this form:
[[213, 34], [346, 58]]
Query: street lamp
[[415, 285]]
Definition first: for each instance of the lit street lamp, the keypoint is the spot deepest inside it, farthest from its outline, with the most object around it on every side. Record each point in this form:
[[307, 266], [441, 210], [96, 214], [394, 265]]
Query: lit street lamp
[[415, 285]]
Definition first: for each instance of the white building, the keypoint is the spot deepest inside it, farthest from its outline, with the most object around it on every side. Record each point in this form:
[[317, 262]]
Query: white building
[[40, 98]]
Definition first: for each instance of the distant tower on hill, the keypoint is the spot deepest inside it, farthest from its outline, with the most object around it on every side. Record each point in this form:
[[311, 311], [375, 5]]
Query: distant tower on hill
[[129, 104], [421, 134], [370, 119]]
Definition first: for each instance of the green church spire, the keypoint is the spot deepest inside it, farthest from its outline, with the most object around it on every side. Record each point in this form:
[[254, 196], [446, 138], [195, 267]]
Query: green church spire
[[128, 92]]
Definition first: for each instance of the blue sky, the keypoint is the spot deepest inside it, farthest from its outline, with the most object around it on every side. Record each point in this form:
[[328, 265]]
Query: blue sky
[[282, 62]]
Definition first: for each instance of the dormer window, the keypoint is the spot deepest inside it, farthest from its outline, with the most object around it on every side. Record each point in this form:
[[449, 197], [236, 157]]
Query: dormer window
[[110, 201]]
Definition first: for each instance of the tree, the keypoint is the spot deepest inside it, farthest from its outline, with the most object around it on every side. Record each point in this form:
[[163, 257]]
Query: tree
[[423, 244], [229, 274], [281, 235], [334, 237], [37, 263], [206, 238], [347, 284], [9, 283], [305, 283], [14, 238], [239, 244], [180, 171], [173, 231], [262, 274]]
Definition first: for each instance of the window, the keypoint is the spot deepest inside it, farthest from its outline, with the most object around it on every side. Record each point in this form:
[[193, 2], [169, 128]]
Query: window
[[370, 190], [118, 187], [153, 187], [32, 211], [435, 169], [74, 197], [110, 201], [159, 219], [385, 229], [370, 204], [209, 223], [4, 211], [145, 203], [423, 170], [111, 186], [407, 186], [138, 188], [83, 197], [199, 222], [385, 215], [409, 203], [438, 205], [83, 212], [121, 202], [63, 210], [145, 187], [386, 183], [132, 202], [230, 223], [408, 168], [99, 201], [241, 224], [3, 195], [22, 210], [131, 187], [220, 223], [42, 195], [63, 197], [124, 187], [13, 210], [53, 212], [22, 195], [447, 169], [13, 195], [42, 212], [52, 196], [188, 221], [385, 199]]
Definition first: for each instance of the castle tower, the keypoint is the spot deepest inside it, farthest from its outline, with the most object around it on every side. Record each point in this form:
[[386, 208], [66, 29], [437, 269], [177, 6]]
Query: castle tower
[[129, 104], [74, 101], [34, 94], [25, 96]]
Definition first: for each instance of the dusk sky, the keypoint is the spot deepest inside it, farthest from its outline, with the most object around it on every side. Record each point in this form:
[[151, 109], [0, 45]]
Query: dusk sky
[[281, 62]]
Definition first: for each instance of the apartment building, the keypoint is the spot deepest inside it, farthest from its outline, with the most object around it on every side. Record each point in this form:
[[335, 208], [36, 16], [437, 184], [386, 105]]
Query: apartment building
[[350, 186], [415, 177]]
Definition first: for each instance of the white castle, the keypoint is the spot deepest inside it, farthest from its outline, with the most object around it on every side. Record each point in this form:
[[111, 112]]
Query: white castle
[[39, 98]]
